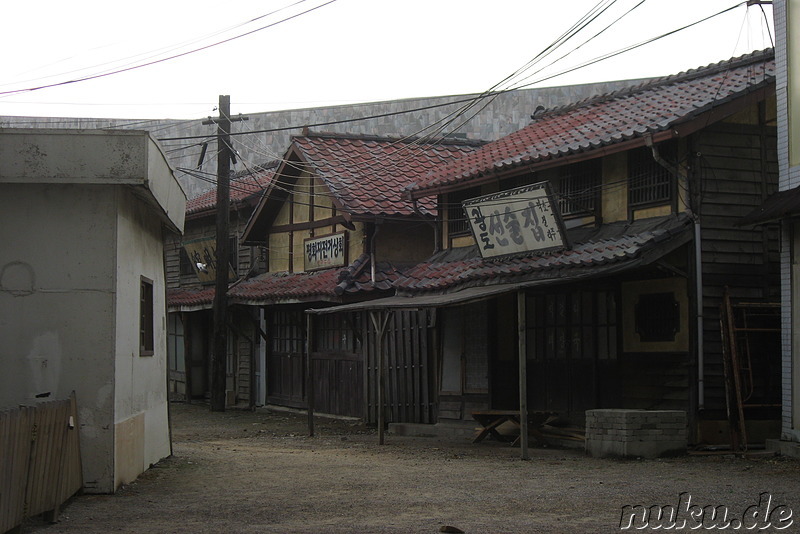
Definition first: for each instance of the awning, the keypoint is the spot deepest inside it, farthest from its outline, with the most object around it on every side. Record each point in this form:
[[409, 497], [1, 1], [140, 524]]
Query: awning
[[777, 206], [470, 294], [589, 263]]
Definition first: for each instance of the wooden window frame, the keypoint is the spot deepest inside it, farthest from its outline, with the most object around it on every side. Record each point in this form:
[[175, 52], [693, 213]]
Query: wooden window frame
[[578, 188], [146, 317], [649, 183]]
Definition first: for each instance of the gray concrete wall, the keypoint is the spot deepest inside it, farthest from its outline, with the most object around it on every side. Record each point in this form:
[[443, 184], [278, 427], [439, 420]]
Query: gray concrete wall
[[57, 299], [140, 400], [489, 119]]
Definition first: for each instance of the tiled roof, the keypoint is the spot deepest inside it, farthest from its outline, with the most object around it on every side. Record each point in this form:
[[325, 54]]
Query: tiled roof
[[190, 298], [324, 285], [244, 185], [332, 285], [367, 174], [652, 107], [594, 252]]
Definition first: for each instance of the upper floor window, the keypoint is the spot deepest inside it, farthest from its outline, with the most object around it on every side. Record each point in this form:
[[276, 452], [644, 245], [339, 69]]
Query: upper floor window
[[648, 181], [185, 263], [578, 187], [457, 221]]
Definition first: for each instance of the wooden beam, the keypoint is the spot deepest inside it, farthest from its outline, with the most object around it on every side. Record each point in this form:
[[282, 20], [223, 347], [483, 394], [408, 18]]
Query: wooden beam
[[379, 320], [309, 373], [523, 376]]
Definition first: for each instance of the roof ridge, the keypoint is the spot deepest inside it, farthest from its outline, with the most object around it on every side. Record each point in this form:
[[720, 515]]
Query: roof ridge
[[690, 74], [266, 166], [421, 140]]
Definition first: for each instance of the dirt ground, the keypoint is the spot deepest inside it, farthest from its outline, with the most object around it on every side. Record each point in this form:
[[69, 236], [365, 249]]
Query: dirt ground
[[259, 472]]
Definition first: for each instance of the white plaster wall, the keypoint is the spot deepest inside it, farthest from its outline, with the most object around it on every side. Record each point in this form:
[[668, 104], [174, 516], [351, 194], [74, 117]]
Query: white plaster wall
[[57, 308], [141, 392]]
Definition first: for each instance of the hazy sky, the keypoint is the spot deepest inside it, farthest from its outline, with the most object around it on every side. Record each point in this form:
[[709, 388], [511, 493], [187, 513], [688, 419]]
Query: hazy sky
[[344, 51]]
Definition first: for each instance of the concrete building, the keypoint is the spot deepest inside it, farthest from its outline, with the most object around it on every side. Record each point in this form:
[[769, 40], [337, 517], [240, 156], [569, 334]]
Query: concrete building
[[82, 287]]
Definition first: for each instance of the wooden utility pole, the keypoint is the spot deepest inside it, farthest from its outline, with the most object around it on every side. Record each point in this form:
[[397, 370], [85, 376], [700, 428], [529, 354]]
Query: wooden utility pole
[[219, 363]]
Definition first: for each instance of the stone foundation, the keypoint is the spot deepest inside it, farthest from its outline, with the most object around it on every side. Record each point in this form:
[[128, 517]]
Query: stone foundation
[[636, 433]]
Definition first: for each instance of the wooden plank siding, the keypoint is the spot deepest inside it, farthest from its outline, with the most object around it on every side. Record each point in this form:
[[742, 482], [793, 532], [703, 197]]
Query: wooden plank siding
[[407, 363], [737, 170], [41, 464], [338, 383]]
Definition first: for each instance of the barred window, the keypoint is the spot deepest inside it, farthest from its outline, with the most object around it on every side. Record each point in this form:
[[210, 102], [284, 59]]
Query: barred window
[[578, 187], [648, 181], [457, 221]]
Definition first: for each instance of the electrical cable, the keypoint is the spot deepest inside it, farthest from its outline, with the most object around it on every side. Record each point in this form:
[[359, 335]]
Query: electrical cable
[[162, 60]]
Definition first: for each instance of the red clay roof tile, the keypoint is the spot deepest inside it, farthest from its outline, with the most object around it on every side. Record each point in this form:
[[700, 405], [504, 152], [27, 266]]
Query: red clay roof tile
[[597, 251], [244, 185], [367, 174], [605, 120]]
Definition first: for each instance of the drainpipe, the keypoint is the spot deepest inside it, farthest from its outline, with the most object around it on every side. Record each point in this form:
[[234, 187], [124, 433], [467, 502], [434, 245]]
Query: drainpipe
[[376, 227], [433, 224], [698, 274]]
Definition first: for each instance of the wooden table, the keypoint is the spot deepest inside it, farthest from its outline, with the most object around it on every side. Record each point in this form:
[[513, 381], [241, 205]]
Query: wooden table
[[490, 420]]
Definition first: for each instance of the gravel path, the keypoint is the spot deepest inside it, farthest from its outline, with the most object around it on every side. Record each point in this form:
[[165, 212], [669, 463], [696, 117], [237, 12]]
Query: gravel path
[[257, 472]]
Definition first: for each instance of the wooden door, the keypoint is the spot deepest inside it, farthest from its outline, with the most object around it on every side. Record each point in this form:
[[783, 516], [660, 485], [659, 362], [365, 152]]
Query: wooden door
[[285, 361]]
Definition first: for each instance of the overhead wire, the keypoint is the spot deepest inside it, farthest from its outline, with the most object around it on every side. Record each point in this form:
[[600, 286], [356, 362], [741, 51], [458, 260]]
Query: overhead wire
[[596, 59], [162, 60], [589, 17], [159, 51]]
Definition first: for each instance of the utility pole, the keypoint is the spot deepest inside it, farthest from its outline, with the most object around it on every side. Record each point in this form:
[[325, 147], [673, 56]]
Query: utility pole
[[219, 357]]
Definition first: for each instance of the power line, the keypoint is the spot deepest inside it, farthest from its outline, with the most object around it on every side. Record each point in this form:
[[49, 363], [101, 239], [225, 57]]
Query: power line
[[162, 60], [480, 96]]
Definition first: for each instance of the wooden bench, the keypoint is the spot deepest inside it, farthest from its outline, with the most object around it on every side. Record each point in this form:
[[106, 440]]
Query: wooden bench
[[490, 420]]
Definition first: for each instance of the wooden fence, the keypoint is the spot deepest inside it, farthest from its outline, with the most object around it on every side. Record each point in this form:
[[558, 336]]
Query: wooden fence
[[40, 461]]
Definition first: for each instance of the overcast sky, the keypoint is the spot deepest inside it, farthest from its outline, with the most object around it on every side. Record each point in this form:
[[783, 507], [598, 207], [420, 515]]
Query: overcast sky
[[338, 52]]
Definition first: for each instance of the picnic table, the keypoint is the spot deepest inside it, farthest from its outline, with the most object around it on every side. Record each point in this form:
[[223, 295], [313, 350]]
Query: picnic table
[[490, 420]]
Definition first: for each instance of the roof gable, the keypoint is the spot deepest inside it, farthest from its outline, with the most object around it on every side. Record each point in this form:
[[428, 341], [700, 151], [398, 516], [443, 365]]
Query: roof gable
[[365, 175], [583, 129]]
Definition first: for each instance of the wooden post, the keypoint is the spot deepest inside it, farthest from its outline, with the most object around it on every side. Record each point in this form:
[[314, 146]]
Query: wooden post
[[523, 376], [380, 329], [219, 363], [310, 373], [219, 359]]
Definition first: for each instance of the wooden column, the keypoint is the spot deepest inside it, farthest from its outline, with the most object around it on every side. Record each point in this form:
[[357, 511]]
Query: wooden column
[[523, 376], [379, 320], [310, 373]]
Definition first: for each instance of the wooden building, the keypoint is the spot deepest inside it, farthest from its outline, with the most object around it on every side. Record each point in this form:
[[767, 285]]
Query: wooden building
[[646, 185], [191, 273], [331, 228]]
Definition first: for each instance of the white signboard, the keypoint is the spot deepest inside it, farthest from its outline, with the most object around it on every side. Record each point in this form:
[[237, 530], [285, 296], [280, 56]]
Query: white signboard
[[519, 220], [325, 251]]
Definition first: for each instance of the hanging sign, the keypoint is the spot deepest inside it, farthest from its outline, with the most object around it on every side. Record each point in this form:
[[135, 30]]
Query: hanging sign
[[323, 252], [515, 221], [203, 257]]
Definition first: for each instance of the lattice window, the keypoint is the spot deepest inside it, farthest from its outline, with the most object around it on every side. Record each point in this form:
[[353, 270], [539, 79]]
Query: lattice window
[[457, 221], [648, 181], [578, 187], [335, 333], [287, 331]]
